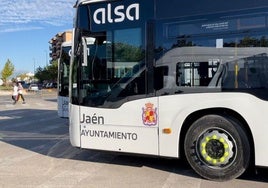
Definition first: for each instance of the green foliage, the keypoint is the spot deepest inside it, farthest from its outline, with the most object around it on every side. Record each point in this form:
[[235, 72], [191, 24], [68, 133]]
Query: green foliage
[[49, 72], [7, 71]]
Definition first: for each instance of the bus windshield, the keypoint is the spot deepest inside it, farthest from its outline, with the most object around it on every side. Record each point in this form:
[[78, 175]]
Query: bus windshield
[[109, 53], [64, 66], [112, 66]]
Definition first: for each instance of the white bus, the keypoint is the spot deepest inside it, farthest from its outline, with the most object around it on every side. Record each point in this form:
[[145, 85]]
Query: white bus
[[173, 79], [63, 79]]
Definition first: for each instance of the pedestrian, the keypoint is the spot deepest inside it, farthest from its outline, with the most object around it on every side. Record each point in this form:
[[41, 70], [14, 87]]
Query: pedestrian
[[20, 93], [15, 93]]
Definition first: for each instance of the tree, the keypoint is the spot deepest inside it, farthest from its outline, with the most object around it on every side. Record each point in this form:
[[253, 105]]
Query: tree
[[53, 71], [48, 73], [7, 71]]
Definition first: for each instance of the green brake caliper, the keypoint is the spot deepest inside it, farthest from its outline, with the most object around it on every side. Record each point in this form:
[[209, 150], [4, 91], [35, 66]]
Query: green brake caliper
[[216, 148]]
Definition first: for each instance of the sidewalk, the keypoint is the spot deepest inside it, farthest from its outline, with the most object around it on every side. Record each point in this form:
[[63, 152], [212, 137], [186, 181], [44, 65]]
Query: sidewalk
[[5, 92]]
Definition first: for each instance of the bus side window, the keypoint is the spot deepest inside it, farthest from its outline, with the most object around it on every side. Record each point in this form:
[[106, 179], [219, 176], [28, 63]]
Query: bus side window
[[196, 74]]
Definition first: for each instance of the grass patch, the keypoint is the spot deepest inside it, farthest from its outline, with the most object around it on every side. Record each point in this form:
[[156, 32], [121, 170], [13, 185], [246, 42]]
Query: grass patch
[[5, 88]]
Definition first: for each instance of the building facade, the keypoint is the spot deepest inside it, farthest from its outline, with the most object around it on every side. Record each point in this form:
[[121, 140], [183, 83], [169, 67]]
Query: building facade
[[55, 44]]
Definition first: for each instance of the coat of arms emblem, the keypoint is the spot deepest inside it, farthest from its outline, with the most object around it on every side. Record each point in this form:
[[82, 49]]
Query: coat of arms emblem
[[149, 114]]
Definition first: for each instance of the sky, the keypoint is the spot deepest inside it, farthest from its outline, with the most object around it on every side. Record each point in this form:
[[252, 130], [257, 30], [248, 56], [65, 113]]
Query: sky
[[26, 27]]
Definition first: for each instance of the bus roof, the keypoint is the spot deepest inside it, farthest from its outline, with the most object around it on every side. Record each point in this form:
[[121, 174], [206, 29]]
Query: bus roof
[[190, 7], [78, 2]]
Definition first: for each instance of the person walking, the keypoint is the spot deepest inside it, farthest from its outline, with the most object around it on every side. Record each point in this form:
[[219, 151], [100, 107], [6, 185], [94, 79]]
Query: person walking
[[20, 93], [15, 93]]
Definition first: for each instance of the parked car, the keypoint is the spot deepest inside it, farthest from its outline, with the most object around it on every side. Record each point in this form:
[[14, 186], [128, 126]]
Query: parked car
[[33, 87]]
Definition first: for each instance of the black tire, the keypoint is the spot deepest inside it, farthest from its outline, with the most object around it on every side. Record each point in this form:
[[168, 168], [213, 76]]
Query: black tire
[[217, 148]]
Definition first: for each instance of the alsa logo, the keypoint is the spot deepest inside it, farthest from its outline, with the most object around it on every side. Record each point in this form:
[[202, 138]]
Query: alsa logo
[[118, 14]]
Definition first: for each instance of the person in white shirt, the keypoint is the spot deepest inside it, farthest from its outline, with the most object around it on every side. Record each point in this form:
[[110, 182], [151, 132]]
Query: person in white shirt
[[20, 93], [15, 93]]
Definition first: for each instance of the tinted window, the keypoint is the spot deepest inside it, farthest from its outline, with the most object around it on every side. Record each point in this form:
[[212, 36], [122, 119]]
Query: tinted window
[[115, 69], [228, 53]]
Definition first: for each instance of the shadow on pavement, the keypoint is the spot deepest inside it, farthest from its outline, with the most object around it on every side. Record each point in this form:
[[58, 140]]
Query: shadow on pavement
[[43, 132]]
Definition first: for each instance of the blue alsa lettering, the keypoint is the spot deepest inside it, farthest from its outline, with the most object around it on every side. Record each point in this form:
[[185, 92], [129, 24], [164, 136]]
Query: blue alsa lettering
[[92, 119]]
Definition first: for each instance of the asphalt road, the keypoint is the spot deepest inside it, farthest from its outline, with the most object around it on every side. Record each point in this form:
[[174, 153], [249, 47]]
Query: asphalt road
[[35, 152]]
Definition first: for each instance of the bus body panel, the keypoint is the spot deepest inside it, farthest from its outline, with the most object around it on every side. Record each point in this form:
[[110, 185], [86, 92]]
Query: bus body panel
[[173, 110], [63, 106], [74, 128], [125, 129], [120, 138]]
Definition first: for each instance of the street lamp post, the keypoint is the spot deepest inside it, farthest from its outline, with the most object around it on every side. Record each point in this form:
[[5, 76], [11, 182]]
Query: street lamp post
[[34, 68]]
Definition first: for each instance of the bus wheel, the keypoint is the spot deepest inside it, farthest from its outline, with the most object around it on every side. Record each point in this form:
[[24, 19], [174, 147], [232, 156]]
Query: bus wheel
[[217, 148]]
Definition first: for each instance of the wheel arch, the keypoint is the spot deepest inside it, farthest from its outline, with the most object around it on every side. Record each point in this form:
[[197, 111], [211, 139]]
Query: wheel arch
[[191, 118]]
